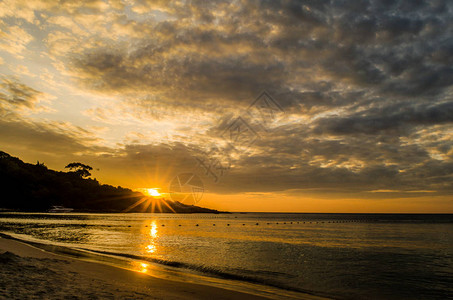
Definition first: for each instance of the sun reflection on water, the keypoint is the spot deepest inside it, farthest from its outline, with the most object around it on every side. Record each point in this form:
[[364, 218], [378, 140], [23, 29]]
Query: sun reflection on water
[[153, 235], [144, 267], [153, 230], [151, 248], [141, 267]]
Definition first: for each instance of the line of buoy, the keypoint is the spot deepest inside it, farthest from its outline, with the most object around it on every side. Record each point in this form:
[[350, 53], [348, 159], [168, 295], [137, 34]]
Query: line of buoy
[[301, 222]]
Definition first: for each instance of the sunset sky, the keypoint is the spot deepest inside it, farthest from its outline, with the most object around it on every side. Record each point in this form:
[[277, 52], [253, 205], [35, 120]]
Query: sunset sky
[[356, 114]]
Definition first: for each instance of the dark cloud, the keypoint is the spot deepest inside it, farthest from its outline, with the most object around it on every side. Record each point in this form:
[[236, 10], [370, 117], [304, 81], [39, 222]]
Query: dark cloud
[[50, 138], [398, 119], [17, 131], [279, 45], [16, 95], [356, 167]]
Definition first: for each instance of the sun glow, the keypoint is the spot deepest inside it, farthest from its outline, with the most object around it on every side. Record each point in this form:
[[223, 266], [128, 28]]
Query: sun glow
[[152, 192], [152, 201]]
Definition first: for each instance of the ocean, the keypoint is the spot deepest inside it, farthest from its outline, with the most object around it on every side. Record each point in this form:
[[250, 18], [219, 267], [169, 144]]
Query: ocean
[[340, 256]]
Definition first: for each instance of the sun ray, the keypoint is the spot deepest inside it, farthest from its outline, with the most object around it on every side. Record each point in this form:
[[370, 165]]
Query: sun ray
[[147, 204], [158, 205], [153, 206], [168, 205], [135, 204]]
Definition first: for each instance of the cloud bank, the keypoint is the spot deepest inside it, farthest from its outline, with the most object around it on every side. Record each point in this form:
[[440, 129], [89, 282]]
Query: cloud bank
[[365, 86]]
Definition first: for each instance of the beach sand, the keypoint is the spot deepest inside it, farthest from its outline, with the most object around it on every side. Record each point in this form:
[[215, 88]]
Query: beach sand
[[27, 272]]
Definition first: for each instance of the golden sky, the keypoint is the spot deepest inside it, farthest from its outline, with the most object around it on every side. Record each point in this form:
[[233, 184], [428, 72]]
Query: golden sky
[[341, 107]]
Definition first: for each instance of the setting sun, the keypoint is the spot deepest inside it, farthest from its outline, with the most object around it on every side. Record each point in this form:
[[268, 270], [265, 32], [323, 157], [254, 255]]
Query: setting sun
[[152, 192]]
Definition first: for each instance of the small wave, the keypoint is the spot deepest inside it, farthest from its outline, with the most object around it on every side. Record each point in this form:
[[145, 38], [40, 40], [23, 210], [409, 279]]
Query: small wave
[[212, 271]]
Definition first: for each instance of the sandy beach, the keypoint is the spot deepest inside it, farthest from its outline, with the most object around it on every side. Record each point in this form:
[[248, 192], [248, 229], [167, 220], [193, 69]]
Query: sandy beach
[[27, 272]]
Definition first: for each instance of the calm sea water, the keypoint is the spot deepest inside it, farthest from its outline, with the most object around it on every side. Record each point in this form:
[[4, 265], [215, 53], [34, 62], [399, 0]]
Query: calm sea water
[[346, 256]]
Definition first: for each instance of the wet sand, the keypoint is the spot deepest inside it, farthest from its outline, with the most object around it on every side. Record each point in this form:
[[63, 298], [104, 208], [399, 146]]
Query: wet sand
[[27, 272]]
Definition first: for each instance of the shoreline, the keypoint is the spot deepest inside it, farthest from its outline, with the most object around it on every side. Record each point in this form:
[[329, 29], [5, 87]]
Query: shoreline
[[28, 271], [78, 269]]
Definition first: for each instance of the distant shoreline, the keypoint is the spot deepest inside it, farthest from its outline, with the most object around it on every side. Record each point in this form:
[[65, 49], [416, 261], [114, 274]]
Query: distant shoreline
[[111, 212], [2, 210]]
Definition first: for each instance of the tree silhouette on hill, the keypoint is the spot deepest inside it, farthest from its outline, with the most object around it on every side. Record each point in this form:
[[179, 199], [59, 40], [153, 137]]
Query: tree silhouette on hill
[[80, 169]]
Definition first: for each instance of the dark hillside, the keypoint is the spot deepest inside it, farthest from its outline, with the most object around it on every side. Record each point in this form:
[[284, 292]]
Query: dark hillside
[[28, 187]]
